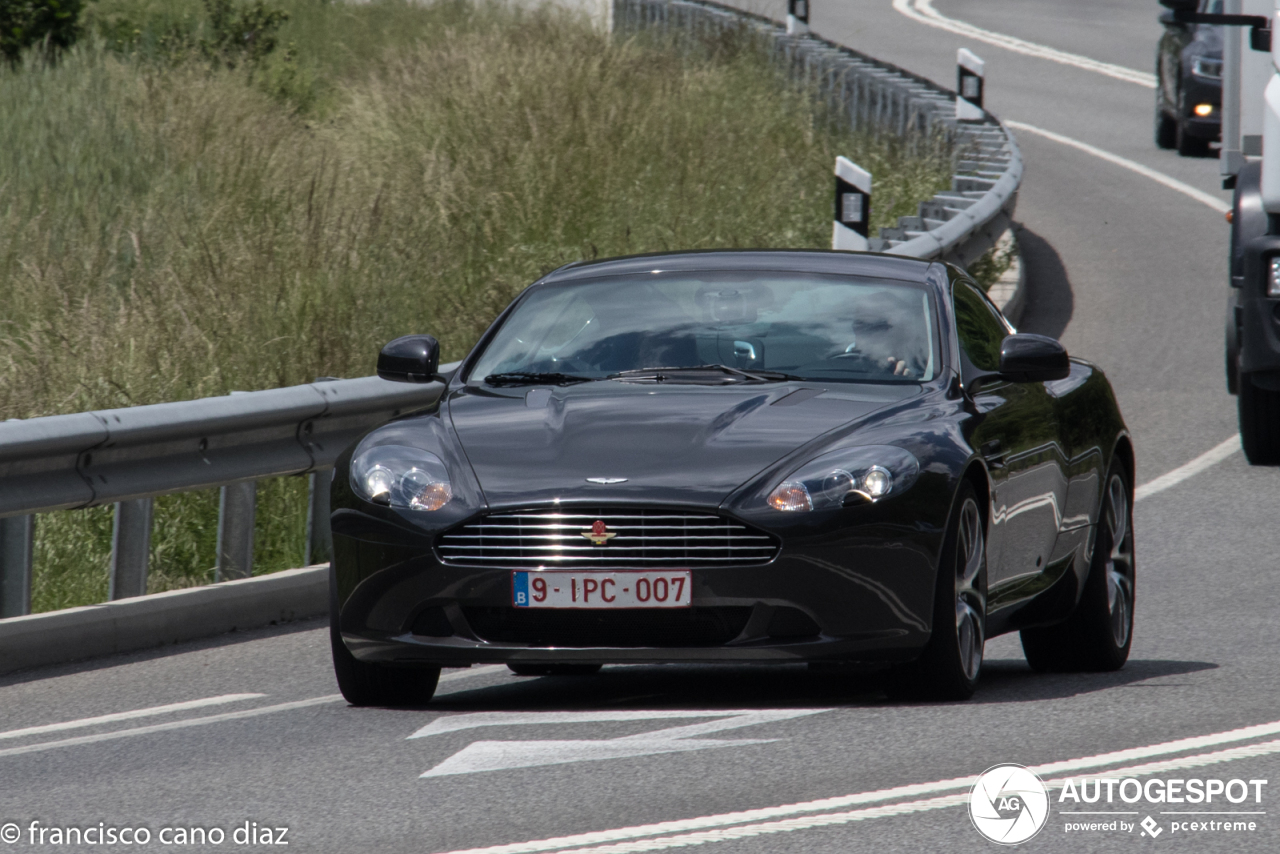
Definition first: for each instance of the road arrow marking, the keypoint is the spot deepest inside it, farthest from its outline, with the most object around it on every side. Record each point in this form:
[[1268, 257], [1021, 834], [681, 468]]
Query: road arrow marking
[[499, 755]]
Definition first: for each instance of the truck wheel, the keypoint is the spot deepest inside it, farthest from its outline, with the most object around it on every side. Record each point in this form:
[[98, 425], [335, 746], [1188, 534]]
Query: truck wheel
[[1259, 411], [364, 684], [1098, 634]]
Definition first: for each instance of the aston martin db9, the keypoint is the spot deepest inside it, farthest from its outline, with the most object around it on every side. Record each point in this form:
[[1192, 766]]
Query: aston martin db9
[[737, 456]]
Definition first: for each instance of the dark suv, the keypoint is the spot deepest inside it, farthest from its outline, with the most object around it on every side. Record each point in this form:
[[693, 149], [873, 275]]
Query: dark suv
[[1189, 83]]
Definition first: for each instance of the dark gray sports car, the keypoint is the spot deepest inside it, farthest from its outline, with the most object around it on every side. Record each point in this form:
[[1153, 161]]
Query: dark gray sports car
[[746, 456]]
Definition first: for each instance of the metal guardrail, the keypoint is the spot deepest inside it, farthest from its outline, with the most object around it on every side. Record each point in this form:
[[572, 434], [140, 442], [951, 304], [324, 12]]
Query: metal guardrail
[[129, 456], [957, 225]]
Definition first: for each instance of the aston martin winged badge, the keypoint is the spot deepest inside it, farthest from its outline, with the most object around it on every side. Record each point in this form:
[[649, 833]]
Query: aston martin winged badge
[[599, 534]]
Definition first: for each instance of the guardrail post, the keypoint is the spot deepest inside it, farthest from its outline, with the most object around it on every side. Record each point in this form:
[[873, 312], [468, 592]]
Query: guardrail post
[[130, 548], [853, 206], [319, 535], [797, 17], [237, 505], [17, 535], [970, 83]]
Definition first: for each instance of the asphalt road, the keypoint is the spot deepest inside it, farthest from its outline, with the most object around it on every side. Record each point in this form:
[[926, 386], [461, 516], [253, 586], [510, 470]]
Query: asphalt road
[[1124, 270]]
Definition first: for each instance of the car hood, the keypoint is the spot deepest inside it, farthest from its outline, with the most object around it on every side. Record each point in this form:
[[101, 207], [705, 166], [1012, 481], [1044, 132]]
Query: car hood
[[677, 444]]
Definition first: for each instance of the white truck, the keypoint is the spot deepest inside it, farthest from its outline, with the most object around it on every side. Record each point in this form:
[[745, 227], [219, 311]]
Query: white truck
[[1250, 164]]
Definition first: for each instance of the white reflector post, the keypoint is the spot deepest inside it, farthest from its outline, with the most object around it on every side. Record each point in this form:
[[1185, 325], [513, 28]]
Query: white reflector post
[[970, 82], [853, 206], [1271, 127], [797, 17]]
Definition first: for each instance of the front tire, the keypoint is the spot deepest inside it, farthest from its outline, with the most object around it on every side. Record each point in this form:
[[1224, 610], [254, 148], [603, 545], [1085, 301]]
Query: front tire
[[951, 663], [1098, 634], [1259, 415], [364, 684], [1166, 129], [1188, 145]]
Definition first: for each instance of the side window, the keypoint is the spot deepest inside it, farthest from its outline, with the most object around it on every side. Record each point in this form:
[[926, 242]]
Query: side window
[[980, 331]]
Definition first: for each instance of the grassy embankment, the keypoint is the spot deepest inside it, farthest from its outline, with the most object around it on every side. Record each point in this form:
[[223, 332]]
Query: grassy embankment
[[178, 222]]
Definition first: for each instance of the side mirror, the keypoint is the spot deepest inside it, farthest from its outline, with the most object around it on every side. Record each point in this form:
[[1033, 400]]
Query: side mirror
[[411, 359], [1027, 358], [1181, 5]]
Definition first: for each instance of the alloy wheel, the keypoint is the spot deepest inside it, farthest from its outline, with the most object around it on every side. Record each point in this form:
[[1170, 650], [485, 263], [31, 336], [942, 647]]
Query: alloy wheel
[[1119, 565], [970, 551]]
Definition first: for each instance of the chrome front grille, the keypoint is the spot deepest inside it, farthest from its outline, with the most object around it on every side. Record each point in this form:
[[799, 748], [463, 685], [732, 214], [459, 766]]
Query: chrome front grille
[[642, 538]]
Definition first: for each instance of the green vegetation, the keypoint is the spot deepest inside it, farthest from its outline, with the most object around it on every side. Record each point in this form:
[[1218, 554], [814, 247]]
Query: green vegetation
[[46, 25], [181, 216]]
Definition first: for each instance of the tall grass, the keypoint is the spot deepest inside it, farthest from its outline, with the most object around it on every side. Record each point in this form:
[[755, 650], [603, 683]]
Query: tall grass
[[171, 230]]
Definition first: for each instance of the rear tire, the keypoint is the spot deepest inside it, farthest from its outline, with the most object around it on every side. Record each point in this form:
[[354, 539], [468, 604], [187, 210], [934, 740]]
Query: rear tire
[[1098, 634], [554, 669], [951, 663], [1259, 414], [364, 684]]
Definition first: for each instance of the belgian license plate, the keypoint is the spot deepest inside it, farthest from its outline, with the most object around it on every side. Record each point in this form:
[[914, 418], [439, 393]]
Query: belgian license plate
[[628, 589]]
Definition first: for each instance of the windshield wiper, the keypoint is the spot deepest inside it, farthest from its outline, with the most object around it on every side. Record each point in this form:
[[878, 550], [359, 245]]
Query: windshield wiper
[[536, 378], [713, 374]]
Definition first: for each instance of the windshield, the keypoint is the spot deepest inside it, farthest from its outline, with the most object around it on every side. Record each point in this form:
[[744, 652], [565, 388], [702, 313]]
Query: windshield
[[815, 327]]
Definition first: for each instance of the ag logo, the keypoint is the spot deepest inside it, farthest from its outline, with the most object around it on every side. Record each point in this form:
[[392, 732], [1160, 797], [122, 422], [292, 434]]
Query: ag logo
[[1008, 804]]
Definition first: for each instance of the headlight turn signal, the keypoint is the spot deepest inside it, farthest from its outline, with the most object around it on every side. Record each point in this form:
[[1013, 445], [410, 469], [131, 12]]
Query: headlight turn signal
[[858, 475], [403, 477]]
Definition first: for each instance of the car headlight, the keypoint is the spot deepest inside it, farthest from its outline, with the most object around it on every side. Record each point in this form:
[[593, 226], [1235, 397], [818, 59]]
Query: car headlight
[[1203, 66], [849, 476], [403, 477]]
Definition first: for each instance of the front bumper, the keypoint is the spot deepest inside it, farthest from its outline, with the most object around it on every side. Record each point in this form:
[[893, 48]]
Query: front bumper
[[860, 594]]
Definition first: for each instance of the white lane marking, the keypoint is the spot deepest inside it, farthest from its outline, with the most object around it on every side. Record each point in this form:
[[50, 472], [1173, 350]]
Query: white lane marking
[[472, 671], [172, 725], [212, 719], [501, 755], [1159, 177], [898, 792], [924, 13], [1209, 458], [475, 720], [751, 830], [125, 716]]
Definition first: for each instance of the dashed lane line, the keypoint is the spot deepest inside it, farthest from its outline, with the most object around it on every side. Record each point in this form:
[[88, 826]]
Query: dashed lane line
[[735, 825], [133, 732], [922, 11], [130, 715]]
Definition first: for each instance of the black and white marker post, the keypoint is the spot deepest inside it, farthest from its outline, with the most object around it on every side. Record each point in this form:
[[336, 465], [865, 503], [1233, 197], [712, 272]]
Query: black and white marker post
[[970, 81], [853, 206], [797, 17]]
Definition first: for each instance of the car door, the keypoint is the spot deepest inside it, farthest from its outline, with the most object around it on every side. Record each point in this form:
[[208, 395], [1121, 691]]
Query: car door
[[1016, 431]]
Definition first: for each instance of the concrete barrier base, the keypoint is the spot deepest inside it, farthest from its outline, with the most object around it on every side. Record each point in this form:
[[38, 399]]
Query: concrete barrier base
[[127, 625]]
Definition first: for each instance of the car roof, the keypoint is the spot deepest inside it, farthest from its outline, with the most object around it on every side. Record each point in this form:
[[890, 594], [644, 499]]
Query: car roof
[[871, 264]]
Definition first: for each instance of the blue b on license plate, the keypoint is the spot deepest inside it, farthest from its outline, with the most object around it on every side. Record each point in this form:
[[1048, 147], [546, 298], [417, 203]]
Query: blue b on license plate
[[625, 589]]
